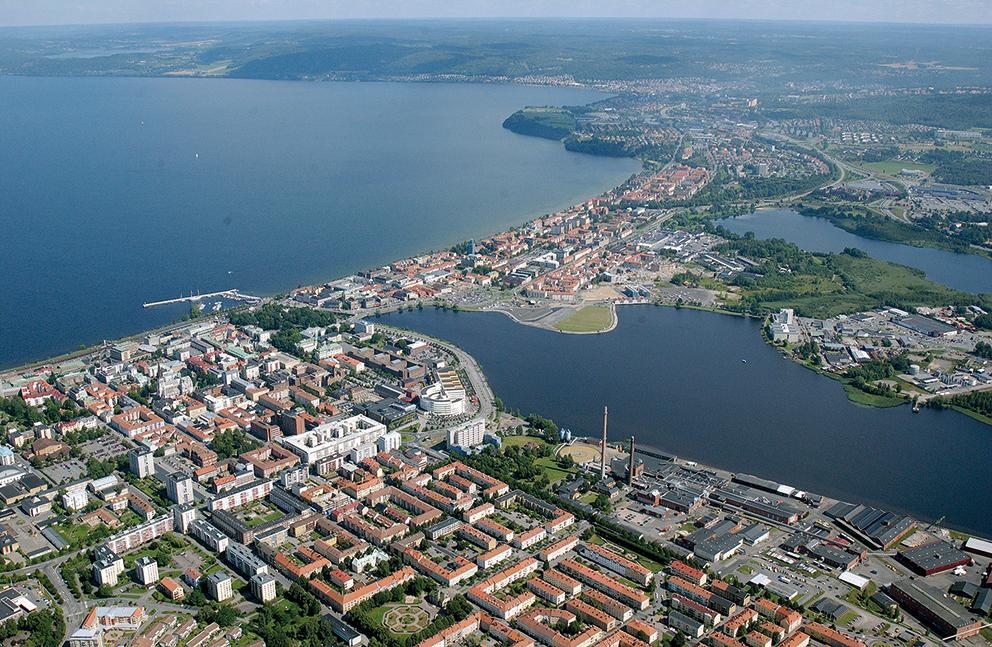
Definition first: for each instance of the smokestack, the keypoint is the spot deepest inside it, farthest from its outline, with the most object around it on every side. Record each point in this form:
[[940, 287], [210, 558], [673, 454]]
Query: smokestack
[[630, 467], [602, 449]]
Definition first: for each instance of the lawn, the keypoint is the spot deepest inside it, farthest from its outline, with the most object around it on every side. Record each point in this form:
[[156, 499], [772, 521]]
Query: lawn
[[265, 518], [894, 167], [856, 395], [549, 465], [519, 441], [587, 319], [81, 534]]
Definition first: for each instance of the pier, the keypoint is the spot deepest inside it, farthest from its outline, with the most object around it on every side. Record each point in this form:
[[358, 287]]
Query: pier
[[192, 298]]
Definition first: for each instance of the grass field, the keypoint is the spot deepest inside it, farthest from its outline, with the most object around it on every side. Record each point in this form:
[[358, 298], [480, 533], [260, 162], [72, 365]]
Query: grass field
[[894, 167], [856, 395], [549, 465], [520, 441], [646, 562], [587, 319]]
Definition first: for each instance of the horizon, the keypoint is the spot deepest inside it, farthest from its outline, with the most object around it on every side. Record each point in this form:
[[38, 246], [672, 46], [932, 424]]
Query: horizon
[[66, 13]]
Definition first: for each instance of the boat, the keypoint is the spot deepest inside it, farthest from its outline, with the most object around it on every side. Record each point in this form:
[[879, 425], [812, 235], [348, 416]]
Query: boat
[[743, 361], [217, 306]]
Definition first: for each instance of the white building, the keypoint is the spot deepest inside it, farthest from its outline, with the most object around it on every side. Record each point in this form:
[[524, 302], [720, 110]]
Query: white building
[[245, 562], [263, 587], [467, 435], [219, 586], [294, 476], [179, 488], [142, 462], [442, 402], [75, 497], [784, 326], [339, 438], [86, 637], [146, 571], [107, 567], [182, 517], [209, 535], [140, 534]]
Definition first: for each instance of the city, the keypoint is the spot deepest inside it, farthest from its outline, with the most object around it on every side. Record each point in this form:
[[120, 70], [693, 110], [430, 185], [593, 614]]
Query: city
[[623, 326], [205, 487]]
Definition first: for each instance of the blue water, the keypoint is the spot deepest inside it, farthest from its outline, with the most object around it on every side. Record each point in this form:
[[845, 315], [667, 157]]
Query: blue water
[[968, 272], [115, 191], [675, 380]]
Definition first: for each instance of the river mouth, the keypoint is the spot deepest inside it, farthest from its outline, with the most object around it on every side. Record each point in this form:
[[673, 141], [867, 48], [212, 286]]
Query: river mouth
[[966, 272], [675, 379]]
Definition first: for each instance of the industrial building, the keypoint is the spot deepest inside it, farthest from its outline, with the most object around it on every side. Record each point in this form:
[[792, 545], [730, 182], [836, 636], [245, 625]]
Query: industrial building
[[948, 618]]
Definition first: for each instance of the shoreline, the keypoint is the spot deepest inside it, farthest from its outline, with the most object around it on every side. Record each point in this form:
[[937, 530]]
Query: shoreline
[[855, 397], [640, 447], [718, 467]]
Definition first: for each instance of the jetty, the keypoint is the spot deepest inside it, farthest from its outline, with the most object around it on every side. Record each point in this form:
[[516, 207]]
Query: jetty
[[192, 298]]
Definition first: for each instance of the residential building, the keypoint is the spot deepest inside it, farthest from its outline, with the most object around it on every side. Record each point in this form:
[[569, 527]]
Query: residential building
[[142, 462], [263, 587], [220, 586], [357, 437], [179, 488], [146, 570], [467, 435], [107, 566]]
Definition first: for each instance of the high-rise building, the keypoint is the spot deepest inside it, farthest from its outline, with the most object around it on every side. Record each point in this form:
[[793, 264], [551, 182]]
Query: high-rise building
[[467, 435], [219, 586], [107, 566], [146, 570], [182, 516], [263, 587], [179, 488], [142, 462]]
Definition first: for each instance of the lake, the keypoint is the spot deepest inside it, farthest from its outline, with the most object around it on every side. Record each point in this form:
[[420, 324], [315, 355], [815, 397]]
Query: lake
[[675, 380], [118, 191], [968, 272]]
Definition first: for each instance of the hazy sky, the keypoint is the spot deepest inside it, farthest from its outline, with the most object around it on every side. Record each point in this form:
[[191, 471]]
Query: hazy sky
[[40, 12]]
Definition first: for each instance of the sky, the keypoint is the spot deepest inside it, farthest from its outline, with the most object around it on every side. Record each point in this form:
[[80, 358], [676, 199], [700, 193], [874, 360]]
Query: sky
[[64, 12]]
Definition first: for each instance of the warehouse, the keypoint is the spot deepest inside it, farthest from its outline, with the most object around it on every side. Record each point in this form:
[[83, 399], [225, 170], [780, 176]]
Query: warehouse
[[926, 326], [935, 557], [948, 618]]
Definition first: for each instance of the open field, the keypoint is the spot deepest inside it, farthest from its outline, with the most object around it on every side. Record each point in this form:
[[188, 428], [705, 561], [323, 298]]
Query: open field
[[587, 319], [521, 441], [549, 465], [894, 167]]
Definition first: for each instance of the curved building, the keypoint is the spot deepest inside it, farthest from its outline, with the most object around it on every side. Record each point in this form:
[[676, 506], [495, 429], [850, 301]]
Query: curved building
[[437, 400]]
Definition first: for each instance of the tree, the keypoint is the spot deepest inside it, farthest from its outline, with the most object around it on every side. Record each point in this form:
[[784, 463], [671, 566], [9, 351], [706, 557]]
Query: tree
[[602, 503], [223, 614]]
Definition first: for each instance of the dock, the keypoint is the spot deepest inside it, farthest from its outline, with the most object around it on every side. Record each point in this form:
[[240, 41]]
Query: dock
[[233, 294]]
